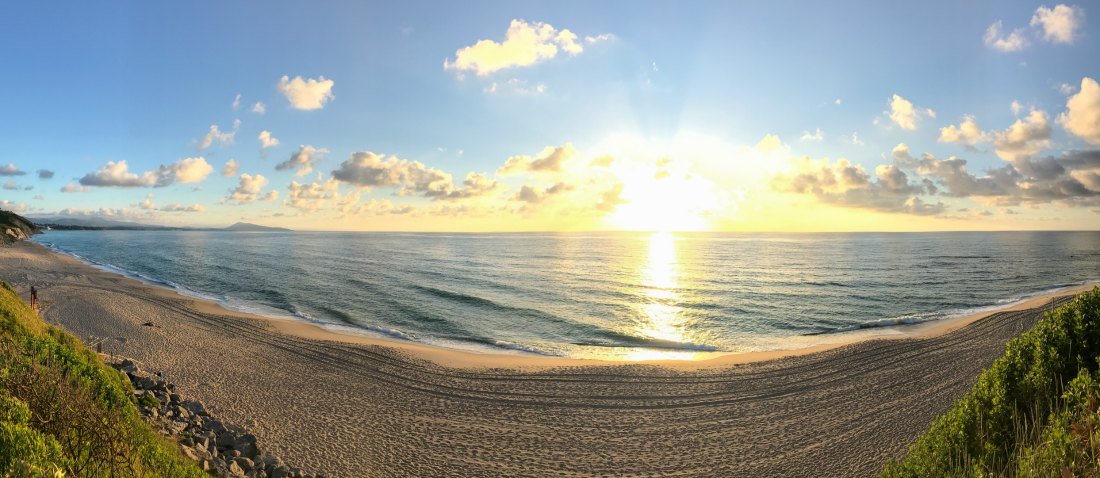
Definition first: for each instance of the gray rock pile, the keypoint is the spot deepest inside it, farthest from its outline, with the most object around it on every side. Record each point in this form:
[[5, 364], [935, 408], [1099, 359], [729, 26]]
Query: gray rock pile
[[218, 448]]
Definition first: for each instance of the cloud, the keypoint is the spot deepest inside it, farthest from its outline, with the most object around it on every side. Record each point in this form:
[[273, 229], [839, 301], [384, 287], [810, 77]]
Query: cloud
[[259, 108], [117, 174], [852, 139], [611, 198], [904, 114], [1025, 138], [231, 168], [12, 186], [1016, 107], [307, 94], [1059, 24], [770, 143], [216, 135], [304, 159], [524, 44], [533, 195], [968, 132], [1082, 116], [515, 86], [75, 188], [184, 208], [13, 206], [249, 188], [266, 140], [849, 185], [147, 204], [366, 169], [237, 102], [993, 38], [817, 135], [598, 38], [313, 196], [11, 170], [550, 159], [45, 174]]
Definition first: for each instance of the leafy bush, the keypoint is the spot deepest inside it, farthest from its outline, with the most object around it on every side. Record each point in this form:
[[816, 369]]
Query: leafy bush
[[63, 410], [999, 426]]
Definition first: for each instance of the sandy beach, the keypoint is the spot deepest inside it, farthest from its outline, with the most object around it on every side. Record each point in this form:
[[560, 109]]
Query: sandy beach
[[358, 406]]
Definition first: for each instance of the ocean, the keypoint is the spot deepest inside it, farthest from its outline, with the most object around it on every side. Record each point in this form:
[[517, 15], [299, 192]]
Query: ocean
[[618, 296]]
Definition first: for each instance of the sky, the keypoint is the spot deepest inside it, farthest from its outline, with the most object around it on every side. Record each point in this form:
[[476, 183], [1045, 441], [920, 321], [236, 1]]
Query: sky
[[555, 116]]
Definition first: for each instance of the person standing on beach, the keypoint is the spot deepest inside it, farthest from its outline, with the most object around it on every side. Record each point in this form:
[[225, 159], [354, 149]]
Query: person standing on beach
[[34, 298]]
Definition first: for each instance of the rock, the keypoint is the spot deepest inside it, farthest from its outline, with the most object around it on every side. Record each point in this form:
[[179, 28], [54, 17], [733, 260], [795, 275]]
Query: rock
[[225, 439], [189, 453], [244, 463], [280, 472], [235, 469]]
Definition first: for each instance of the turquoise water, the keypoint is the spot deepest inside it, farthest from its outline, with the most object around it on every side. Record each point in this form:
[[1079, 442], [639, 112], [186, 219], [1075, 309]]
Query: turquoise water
[[610, 295]]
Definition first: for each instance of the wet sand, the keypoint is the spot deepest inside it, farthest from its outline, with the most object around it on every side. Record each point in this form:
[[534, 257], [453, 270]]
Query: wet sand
[[357, 406]]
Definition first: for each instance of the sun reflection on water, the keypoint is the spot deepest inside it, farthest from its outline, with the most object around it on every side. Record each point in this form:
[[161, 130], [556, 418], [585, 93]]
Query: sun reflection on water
[[661, 316]]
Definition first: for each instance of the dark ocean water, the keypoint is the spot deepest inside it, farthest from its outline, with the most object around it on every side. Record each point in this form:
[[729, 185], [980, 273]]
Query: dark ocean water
[[610, 295]]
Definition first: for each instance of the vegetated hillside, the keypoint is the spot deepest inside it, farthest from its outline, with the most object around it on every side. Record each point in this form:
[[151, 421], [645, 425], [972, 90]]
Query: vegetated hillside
[[62, 411], [244, 226], [1033, 413], [14, 227]]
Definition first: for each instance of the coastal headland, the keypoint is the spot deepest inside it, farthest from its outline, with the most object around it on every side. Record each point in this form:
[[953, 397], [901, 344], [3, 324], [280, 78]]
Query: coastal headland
[[354, 406]]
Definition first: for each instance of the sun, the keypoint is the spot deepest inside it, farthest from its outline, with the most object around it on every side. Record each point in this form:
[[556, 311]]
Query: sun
[[662, 199]]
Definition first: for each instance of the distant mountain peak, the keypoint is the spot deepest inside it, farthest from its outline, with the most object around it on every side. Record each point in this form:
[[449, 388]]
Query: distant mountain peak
[[245, 226]]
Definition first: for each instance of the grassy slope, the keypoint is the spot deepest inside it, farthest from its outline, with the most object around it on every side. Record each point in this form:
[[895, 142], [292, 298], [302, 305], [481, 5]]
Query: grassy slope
[[14, 221], [62, 411], [1033, 413]]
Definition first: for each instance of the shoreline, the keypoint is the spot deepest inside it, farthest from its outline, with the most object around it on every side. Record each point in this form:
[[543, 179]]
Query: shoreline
[[518, 359], [352, 406]]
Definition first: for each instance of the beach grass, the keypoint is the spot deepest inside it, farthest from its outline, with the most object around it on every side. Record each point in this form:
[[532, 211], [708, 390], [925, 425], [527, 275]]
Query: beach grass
[[1032, 413], [64, 413]]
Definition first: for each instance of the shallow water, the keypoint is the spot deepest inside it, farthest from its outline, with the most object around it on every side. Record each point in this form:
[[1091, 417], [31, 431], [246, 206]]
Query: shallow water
[[607, 295]]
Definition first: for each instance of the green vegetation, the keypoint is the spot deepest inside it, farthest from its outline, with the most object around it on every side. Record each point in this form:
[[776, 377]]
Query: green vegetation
[[1033, 413], [64, 413], [14, 227]]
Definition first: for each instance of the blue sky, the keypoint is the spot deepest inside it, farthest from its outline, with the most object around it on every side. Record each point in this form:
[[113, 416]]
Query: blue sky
[[700, 83]]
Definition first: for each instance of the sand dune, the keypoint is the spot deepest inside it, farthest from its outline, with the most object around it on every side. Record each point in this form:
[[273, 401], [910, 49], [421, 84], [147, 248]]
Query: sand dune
[[362, 408]]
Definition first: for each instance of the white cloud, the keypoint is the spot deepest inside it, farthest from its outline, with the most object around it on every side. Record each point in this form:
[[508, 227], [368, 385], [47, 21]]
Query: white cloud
[[303, 159], [904, 114], [1058, 24], [366, 169], [1082, 116], [836, 102], [852, 139], [313, 196], [817, 135], [13, 206], [550, 159], [11, 186], [216, 135], [515, 86], [1016, 107], [1024, 139], [147, 204], [524, 44], [117, 174], [599, 38], [183, 208], [75, 188], [1065, 88], [259, 108], [771, 143], [266, 140], [237, 102], [968, 132], [306, 94], [231, 168], [249, 188], [11, 170], [1014, 41]]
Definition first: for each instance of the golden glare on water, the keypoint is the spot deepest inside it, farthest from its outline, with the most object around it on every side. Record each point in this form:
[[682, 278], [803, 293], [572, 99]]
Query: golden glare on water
[[661, 317]]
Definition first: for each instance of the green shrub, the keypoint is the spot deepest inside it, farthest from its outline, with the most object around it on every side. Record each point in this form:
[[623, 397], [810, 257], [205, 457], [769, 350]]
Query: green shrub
[[1008, 411], [62, 409]]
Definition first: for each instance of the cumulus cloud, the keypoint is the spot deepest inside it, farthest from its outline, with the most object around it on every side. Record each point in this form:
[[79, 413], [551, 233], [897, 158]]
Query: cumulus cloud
[[117, 174], [249, 190], [1082, 116], [266, 140], [11, 170], [45, 174], [313, 196], [259, 108], [303, 160], [1059, 24], [306, 94], [995, 39], [904, 114], [611, 198], [231, 168], [184, 208], [534, 195], [10, 185], [817, 135], [75, 188], [1025, 138], [968, 132], [524, 44], [849, 185], [366, 169], [216, 135], [550, 160], [187, 170], [13, 206]]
